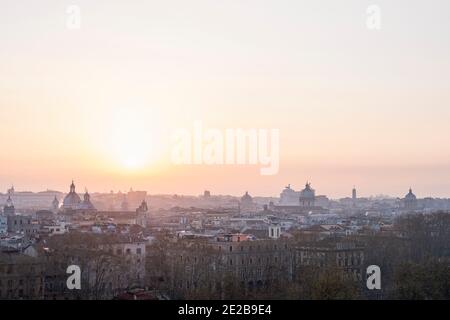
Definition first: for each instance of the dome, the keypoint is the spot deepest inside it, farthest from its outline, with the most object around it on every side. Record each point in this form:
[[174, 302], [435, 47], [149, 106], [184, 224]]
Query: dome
[[86, 204], [308, 192], [72, 199], [246, 197], [410, 195]]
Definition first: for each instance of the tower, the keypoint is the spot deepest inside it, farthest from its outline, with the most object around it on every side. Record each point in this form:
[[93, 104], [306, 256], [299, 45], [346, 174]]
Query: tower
[[55, 205], [9, 209], [354, 193], [72, 187], [142, 214]]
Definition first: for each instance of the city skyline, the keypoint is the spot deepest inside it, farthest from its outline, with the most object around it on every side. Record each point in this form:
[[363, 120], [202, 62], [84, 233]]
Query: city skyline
[[354, 191]]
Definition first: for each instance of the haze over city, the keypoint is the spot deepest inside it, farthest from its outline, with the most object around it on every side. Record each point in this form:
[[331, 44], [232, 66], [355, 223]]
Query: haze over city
[[253, 156], [98, 104]]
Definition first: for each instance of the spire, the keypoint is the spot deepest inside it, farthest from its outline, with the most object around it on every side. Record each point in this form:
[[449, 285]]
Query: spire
[[87, 197], [72, 187]]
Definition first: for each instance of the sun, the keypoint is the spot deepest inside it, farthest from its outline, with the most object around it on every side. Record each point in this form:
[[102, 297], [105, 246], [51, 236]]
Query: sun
[[132, 139]]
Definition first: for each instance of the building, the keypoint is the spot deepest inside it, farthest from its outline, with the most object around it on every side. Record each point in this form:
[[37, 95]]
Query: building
[[110, 264], [135, 198], [347, 257], [410, 201], [289, 197], [21, 276], [71, 201], [86, 205], [307, 196], [3, 224], [9, 209], [56, 228], [274, 231], [124, 205], [301, 202], [55, 205], [210, 265], [22, 224], [142, 214], [246, 205]]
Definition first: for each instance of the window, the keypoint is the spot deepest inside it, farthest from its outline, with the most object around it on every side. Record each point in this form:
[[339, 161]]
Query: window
[[128, 251]]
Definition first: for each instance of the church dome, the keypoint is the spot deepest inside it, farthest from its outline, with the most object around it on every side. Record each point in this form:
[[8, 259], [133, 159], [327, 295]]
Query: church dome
[[86, 204], [246, 197], [308, 192], [72, 199], [410, 195]]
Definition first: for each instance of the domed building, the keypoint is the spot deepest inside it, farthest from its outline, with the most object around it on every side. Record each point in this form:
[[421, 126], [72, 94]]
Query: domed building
[[307, 196], [410, 200], [300, 202], [9, 209], [72, 200], [246, 205], [86, 205]]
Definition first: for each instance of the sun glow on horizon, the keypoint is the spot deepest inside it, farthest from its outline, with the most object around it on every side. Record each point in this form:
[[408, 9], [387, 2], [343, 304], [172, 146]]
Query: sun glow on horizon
[[131, 138]]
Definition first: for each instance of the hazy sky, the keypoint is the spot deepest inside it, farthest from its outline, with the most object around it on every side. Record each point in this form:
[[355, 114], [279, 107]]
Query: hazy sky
[[354, 106]]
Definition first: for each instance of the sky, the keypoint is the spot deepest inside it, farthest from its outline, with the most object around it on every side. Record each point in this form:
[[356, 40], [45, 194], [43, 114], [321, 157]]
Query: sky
[[98, 104]]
